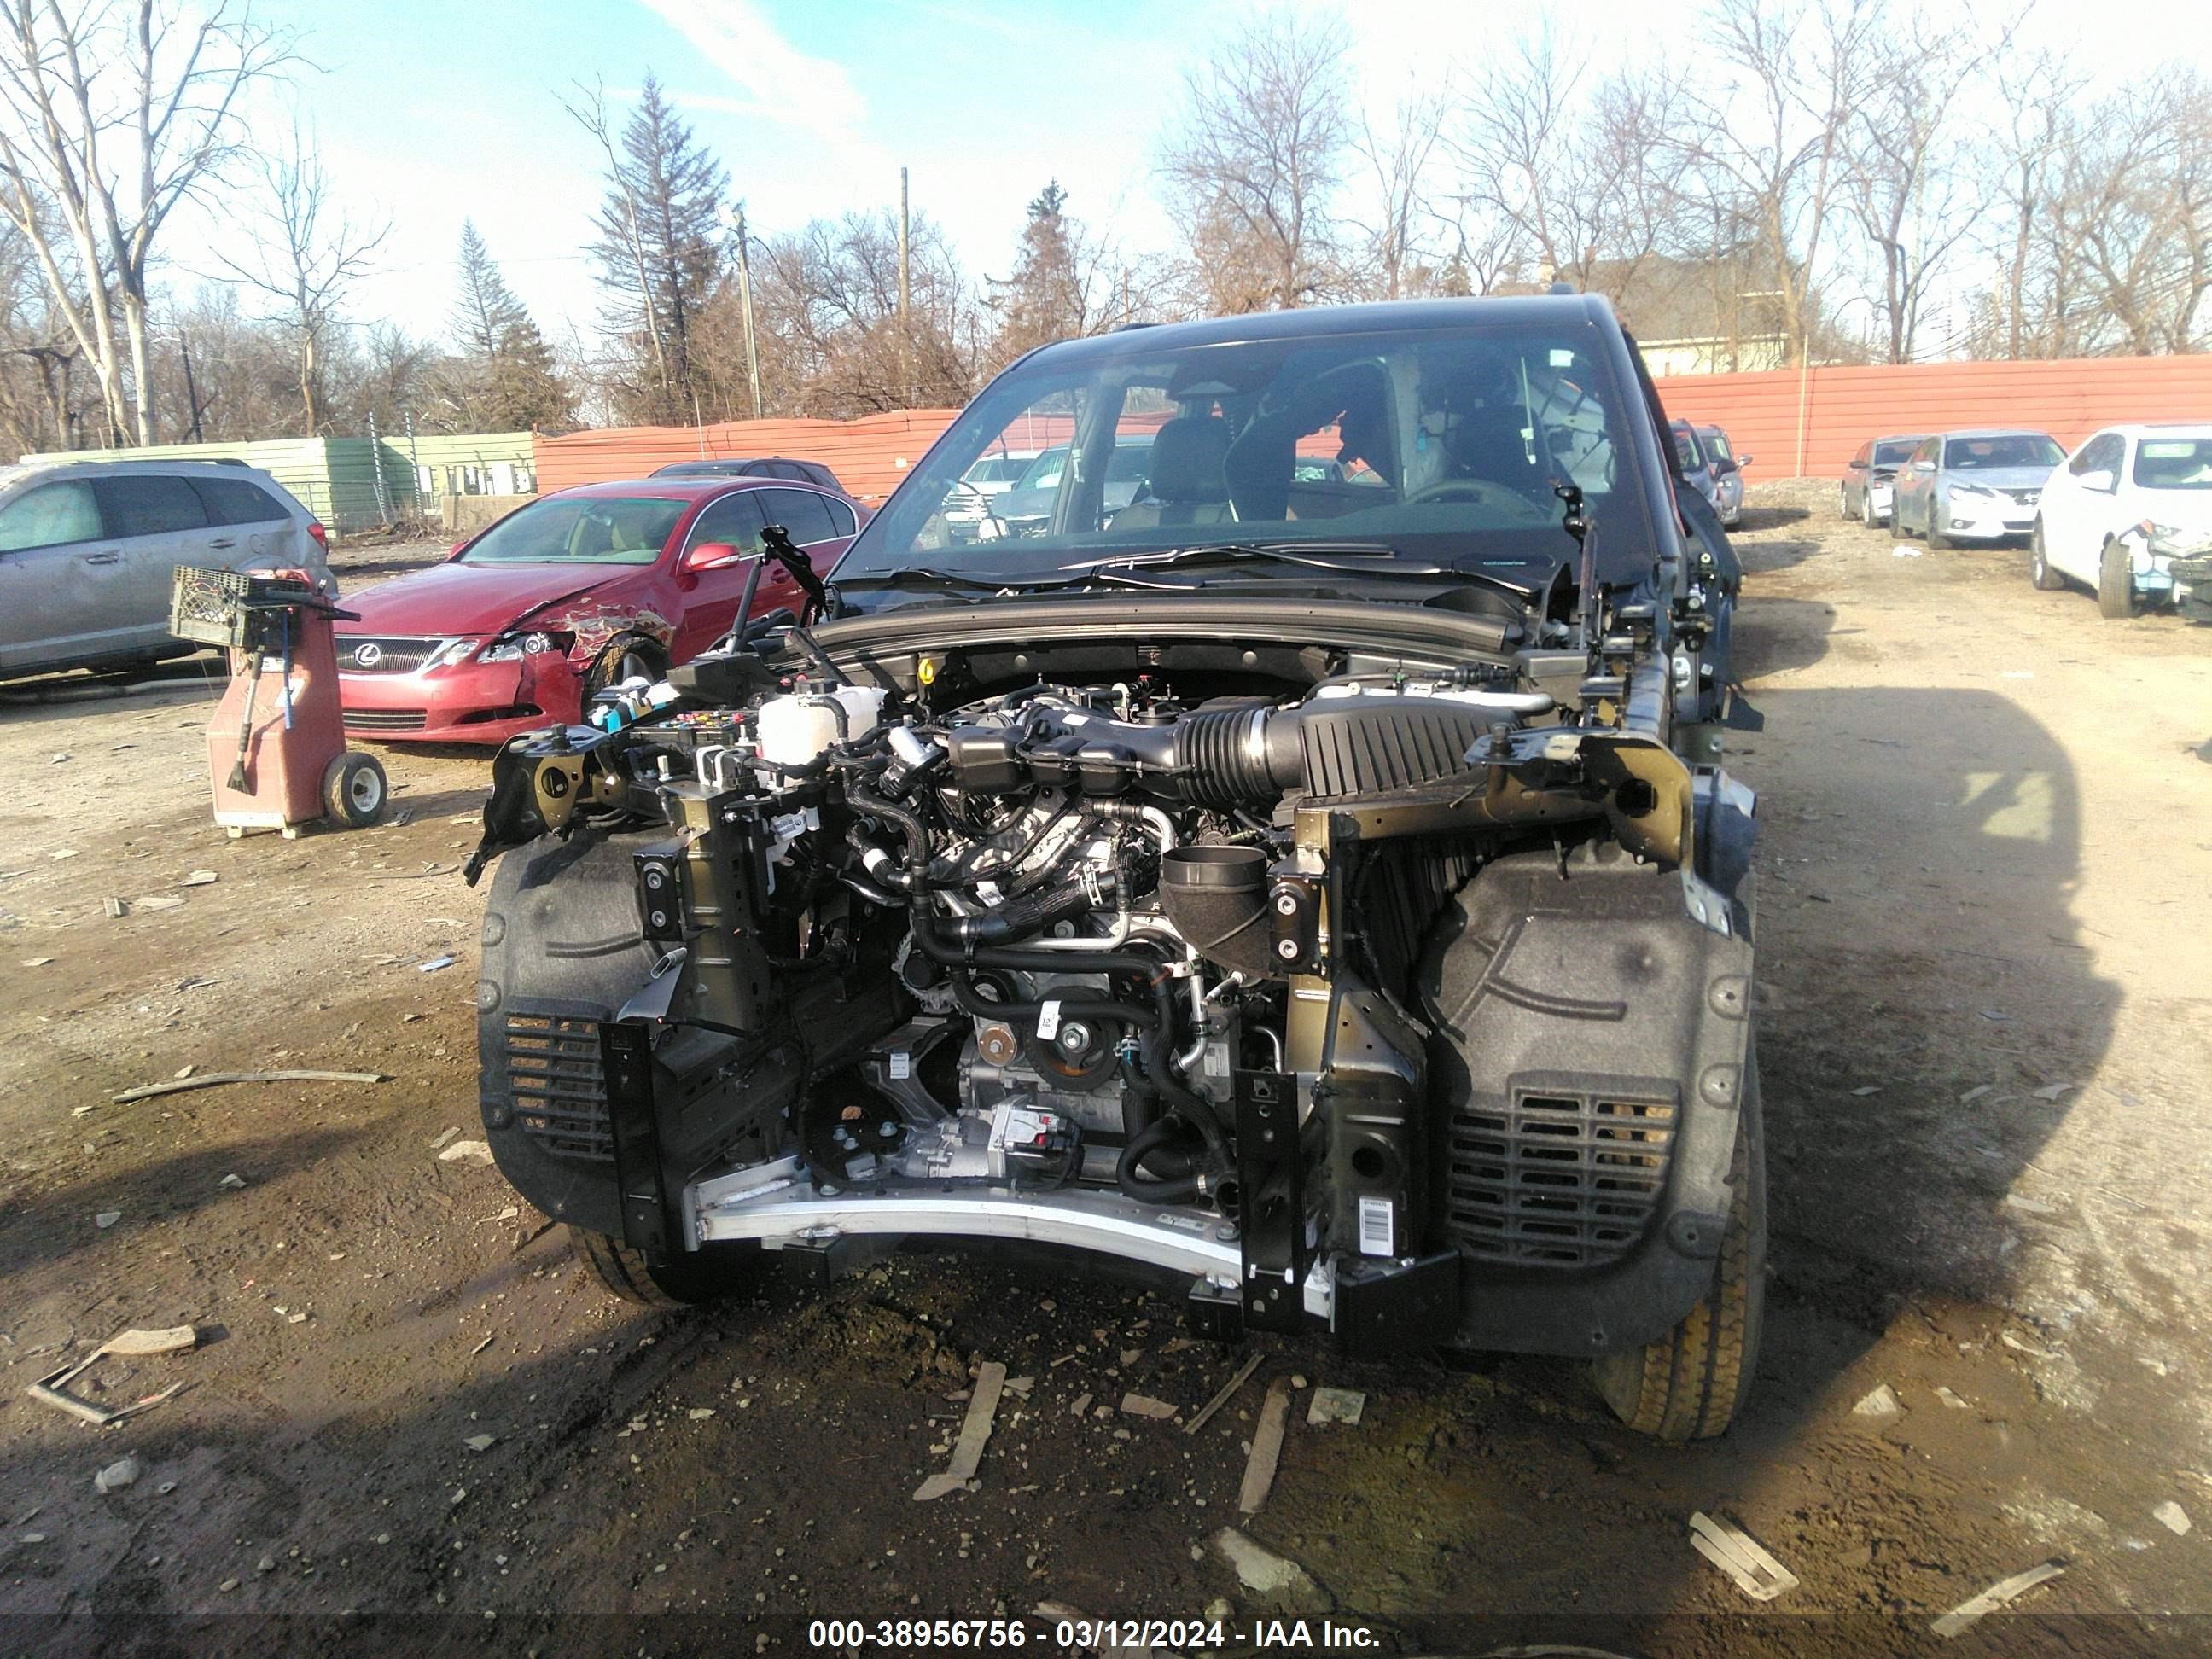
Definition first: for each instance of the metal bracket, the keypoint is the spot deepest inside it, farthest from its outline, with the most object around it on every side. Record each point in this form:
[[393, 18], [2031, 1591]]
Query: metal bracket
[[1272, 1217], [626, 1060]]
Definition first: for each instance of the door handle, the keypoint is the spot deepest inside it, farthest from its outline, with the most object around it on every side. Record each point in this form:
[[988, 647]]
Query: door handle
[[103, 558], [226, 542]]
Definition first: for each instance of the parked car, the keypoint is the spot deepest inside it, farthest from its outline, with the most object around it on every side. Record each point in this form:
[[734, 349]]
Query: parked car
[[1696, 466], [1728, 474], [87, 550], [527, 621], [1972, 486], [993, 476], [766, 466], [1025, 509], [1864, 494], [2130, 516], [1304, 888]]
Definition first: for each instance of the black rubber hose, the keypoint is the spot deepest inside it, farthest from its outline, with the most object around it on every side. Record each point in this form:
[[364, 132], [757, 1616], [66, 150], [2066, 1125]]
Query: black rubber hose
[[917, 835], [1179, 1189], [1197, 1111], [1102, 1008], [937, 949]]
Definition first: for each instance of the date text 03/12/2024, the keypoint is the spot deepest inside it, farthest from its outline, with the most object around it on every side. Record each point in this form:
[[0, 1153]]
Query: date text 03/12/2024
[[1087, 1635]]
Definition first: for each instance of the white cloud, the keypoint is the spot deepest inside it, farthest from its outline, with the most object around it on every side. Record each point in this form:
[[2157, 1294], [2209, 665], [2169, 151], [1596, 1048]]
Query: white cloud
[[736, 38]]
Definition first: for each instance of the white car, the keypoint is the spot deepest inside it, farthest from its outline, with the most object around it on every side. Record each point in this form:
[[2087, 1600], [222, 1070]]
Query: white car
[[970, 501], [2129, 515]]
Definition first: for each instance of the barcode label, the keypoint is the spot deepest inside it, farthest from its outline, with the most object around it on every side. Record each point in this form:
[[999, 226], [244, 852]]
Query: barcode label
[[1376, 1234], [901, 1066], [1048, 1021]]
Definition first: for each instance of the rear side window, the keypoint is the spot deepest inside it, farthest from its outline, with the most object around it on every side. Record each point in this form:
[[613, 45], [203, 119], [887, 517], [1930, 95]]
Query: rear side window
[[841, 517], [233, 500], [734, 519], [801, 511], [149, 505], [821, 475], [52, 515]]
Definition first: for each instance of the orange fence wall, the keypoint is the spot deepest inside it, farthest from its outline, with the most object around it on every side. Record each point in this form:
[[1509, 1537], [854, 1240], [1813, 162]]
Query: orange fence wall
[[1788, 422], [1794, 422]]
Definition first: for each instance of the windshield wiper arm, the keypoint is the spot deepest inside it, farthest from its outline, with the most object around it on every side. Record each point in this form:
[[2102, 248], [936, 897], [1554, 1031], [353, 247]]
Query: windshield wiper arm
[[926, 576], [1309, 556]]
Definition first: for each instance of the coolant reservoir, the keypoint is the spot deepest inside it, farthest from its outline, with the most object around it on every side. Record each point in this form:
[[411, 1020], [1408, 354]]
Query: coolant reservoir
[[796, 729]]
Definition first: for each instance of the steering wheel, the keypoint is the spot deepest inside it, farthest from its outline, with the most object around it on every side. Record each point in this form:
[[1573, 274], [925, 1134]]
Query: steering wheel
[[1483, 493]]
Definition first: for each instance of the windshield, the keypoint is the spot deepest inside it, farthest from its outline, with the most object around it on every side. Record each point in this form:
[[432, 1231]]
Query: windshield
[[1687, 450], [584, 529], [1715, 442], [1447, 437], [2002, 449], [2174, 463], [1896, 452], [997, 469]]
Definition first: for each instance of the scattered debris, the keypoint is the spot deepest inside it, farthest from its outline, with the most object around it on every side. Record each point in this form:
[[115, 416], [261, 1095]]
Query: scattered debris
[[122, 1473], [2053, 1090], [2170, 1516], [115, 907], [444, 1136], [1336, 1405], [157, 902], [472, 1151], [1973, 1095], [60, 853], [1267, 1448], [700, 1413], [2028, 1206], [231, 1183], [199, 879], [1739, 1555], [266, 1564], [1082, 1405], [480, 1347], [968, 1451], [1868, 1089], [1143, 1405], [1996, 1596], [2019, 1346], [1956, 1402], [213, 1079], [481, 1443], [1262, 1572], [1905, 552], [435, 965], [183, 1071], [454, 1502], [1228, 1393], [53, 1389], [1882, 1402], [38, 962], [107, 1219]]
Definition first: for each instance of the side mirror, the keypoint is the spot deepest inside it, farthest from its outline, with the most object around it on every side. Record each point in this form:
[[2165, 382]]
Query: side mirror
[[2103, 480], [1741, 462], [711, 555]]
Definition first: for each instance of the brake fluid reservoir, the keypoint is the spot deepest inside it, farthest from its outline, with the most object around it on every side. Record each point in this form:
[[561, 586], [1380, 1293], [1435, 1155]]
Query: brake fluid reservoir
[[796, 729]]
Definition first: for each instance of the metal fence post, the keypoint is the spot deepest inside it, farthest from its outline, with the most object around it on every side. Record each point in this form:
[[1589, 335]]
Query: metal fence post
[[376, 469]]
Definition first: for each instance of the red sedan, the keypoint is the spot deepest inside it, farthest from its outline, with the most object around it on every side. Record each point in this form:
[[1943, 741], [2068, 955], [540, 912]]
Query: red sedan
[[574, 592]]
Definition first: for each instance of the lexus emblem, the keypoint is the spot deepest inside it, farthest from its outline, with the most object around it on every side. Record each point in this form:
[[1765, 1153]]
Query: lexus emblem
[[367, 655]]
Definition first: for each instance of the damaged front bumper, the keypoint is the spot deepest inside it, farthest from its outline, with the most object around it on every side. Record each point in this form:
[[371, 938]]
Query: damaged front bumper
[[466, 702]]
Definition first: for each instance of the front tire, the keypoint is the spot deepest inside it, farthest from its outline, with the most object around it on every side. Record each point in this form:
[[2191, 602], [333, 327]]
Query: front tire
[[1936, 540], [685, 1281], [2116, 583], [630, 657], [1690, 1383], [1867, 514], [2039, 562]]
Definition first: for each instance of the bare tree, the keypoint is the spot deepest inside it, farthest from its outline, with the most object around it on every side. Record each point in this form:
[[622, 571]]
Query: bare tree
[[1773, 130], [111, 114], [307, 254], [1399, 157], [1252, 167]]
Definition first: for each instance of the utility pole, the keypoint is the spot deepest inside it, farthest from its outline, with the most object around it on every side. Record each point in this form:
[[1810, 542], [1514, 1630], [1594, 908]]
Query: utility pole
[[906, 292], [733, 221], [746, 304]]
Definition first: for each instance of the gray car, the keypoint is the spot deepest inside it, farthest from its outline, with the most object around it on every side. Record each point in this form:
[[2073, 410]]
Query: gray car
[[1728, 474], [1972, 486], [87, 550]]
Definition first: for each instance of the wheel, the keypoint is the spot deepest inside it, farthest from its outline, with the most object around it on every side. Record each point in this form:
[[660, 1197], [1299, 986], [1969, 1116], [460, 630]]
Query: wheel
[[2039, 562], [628, 657], [1843, 502], [1691, 1382], [685, 1281], [1936, 540], [1896, 519], [1866, 511], [355, 790], [2116, 584]]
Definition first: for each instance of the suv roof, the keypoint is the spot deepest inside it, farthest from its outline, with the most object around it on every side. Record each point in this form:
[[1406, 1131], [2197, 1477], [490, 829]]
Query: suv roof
[[747, 466]]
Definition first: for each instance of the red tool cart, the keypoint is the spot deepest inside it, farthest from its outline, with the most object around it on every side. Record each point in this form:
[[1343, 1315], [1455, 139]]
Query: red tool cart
[[277, 753]]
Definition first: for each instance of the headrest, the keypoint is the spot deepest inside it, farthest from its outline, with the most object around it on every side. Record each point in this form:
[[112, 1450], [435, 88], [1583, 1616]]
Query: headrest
[[1188, 457]]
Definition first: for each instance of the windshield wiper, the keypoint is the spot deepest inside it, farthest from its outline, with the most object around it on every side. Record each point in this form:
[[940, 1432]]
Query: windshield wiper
[[926, 576], [1309, 555]]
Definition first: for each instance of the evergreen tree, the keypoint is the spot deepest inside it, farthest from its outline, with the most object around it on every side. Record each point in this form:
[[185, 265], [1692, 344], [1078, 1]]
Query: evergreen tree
[[1045, 298], [506, 380], [660, 253]]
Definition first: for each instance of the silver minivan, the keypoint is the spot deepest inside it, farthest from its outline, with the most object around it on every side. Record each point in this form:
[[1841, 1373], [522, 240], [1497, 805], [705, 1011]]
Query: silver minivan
[[87, 549]]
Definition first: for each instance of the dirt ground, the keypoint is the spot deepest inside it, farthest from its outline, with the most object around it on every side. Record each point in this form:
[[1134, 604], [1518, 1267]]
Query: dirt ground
[[1986, 979]]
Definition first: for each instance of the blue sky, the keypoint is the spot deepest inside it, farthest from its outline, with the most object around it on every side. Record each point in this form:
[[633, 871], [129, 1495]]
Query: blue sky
[[431, 111]]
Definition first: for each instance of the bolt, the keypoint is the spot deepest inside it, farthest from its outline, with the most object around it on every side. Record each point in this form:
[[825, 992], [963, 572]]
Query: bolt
[[1075, 1037], [1286, 904], [1287, 949]]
